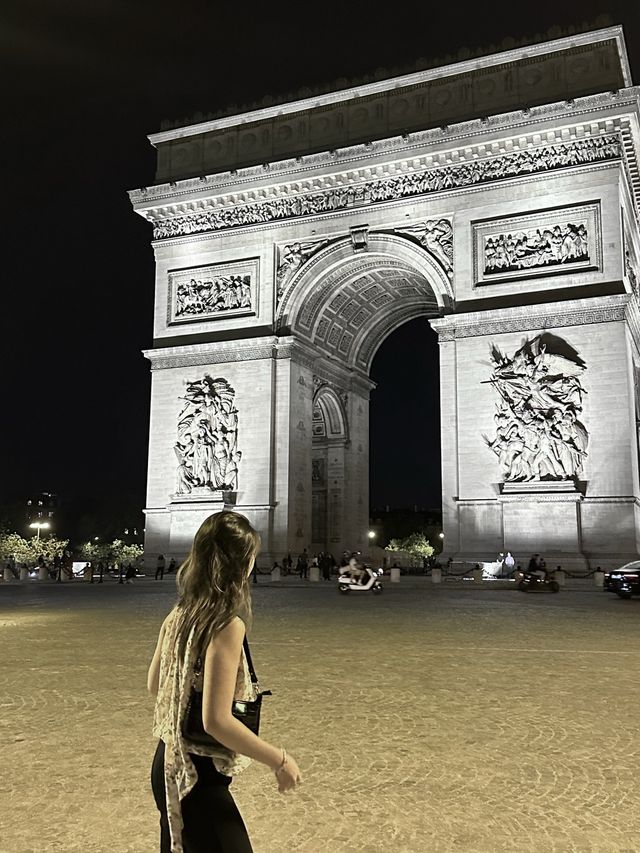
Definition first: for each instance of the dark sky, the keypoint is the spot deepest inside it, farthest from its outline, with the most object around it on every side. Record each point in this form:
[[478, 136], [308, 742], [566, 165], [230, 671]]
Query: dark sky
[[84, 82]]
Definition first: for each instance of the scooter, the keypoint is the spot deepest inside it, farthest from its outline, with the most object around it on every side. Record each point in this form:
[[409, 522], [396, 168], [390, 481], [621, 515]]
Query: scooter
[[528, 581], [370, 581]]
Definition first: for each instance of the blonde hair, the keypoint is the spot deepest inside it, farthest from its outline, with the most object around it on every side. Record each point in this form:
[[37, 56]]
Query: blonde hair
[[213, 581]]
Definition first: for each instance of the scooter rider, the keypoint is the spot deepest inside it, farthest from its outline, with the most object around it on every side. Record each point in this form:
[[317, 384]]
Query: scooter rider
[[356, 570]]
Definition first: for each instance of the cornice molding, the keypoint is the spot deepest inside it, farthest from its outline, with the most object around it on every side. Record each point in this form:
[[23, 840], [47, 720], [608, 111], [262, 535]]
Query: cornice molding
[[578, 312], [216, 352], [547, 157], [456, 141], [529, 51]]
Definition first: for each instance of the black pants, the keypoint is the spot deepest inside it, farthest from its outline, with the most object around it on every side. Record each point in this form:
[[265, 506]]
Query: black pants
[[159, 571], [212, 822]]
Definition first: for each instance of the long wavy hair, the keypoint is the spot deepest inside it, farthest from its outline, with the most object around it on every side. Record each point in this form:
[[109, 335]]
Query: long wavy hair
[[213, 581]]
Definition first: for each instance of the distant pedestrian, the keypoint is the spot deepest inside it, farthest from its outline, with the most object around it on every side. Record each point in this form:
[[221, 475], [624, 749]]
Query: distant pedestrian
[[508, 564], [302, 565], [325, 566], [172, 566], [160, 567]]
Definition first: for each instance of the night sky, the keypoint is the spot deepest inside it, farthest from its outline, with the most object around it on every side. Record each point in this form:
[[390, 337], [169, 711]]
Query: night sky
[[83, 84]]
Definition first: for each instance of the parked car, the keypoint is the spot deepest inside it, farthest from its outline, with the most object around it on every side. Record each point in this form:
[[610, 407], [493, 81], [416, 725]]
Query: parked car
[[624, 581]]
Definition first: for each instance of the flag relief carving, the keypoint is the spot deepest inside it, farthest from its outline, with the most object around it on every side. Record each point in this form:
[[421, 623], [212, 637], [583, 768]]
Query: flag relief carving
[[539, 435]]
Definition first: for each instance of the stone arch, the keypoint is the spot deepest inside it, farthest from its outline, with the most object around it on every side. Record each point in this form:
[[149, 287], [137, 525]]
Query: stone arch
[[329, 447], [329, 415], [343, 297]]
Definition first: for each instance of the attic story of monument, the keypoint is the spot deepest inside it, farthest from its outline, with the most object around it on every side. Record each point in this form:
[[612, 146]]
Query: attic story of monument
[[497, 197]]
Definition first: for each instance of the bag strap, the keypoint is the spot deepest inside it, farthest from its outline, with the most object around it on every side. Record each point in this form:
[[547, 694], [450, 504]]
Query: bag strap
[[247, 651], [245, 644]]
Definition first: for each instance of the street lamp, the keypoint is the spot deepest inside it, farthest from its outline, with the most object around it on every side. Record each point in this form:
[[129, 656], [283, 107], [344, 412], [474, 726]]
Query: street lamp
[[38, 525]]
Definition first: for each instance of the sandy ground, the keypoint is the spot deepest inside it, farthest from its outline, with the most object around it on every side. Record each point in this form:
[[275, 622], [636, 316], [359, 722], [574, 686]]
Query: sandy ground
[[427, 719]]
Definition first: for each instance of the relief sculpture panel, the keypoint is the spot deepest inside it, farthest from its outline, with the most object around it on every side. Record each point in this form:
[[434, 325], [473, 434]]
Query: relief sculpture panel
[[208, 293], [538, 244], [206, 447], [539, 434]]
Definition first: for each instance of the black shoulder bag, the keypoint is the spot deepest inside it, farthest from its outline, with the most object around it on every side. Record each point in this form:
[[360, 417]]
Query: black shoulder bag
[[248, 712]]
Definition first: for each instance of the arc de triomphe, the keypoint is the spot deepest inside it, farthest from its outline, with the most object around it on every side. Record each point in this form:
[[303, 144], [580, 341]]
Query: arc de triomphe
[[497, 197]]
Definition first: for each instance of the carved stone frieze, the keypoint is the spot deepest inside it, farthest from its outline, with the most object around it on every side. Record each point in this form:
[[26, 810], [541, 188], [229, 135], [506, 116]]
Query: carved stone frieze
[[518, 122], [436, 236], [523, 162], [539, 436], [540, 243], [206, 446], [208, 293]]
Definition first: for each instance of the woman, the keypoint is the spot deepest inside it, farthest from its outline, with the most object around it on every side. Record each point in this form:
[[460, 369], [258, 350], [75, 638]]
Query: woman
[[190, 783]]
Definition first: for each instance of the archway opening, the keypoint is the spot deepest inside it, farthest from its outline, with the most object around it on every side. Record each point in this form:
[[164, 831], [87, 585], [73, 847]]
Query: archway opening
[[405, 472]]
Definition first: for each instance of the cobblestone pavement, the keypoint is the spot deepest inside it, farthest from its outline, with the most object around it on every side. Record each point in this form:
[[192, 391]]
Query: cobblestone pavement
[[428, 719]]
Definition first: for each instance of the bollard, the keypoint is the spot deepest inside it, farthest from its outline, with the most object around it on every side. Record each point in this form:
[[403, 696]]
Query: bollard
[[8, 574], [314, 573], [559, 576], [24, 573], [275, 574], [477, 575], [436, 575], [87, 574], [43, 573], [598, 578], [395, 575]]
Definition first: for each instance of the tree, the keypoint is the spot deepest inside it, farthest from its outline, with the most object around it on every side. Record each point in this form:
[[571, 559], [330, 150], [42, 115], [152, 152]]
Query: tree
[[415, 544], [13, 545], [29, 550], [48, 547], [115, 552]]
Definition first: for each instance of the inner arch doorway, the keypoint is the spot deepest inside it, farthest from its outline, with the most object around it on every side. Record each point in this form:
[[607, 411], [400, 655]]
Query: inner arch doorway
[[343, 304]]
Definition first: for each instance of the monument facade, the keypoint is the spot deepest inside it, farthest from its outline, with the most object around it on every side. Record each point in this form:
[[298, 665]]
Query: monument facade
[[498, 197]]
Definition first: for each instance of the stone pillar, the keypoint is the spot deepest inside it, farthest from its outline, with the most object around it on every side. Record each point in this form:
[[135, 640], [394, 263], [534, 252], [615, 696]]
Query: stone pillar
[[275, 574], [314, 573], [598, 578], [8, 574], [24, 573], [449, 443], [436, 575], [300, 458], [43, 573], [477, 575], [395, 575]]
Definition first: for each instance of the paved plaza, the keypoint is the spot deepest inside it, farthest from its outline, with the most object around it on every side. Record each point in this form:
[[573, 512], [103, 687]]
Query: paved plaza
[[426, 720]]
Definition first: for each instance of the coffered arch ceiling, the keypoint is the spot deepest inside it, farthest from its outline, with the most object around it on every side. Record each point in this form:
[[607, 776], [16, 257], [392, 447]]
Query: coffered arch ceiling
[[346, 303]]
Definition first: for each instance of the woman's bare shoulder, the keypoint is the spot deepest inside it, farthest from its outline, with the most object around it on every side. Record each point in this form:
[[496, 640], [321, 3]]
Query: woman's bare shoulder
[[231, 635]]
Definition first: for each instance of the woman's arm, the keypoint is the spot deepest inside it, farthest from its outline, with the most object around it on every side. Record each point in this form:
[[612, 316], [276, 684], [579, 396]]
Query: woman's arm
[[220, 672], [153, 676]]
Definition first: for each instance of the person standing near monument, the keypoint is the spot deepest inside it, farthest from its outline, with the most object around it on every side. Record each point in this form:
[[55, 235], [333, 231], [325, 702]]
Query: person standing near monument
[[508, 564], [160, 566], [303, 564], [191, 783]]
